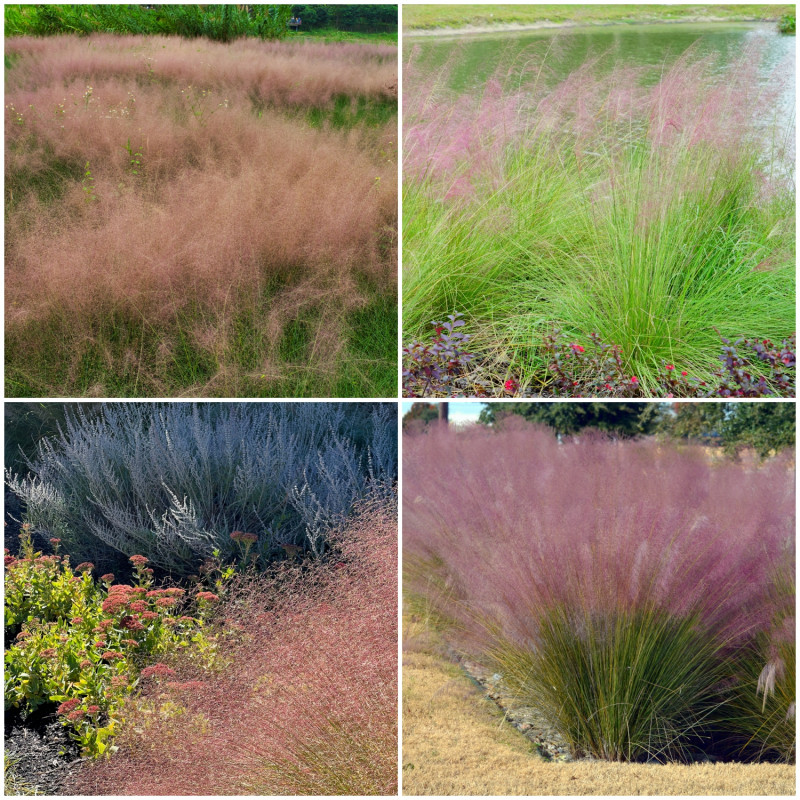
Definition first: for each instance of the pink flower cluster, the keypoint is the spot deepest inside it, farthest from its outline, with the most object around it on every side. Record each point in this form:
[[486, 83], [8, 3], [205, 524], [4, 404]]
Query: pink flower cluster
[[157, 671], [248, 538]]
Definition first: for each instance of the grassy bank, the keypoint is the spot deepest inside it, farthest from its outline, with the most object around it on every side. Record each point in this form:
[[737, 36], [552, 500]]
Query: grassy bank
[[333, 35], [200, 219], [658, 217], [427, 17]]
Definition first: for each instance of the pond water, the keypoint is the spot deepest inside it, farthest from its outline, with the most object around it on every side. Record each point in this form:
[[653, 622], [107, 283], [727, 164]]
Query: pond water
[[474, 58]]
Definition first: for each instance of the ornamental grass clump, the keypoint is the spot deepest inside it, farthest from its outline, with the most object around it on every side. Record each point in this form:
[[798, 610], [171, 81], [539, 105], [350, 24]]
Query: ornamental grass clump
[[654, 211], [614, 585]]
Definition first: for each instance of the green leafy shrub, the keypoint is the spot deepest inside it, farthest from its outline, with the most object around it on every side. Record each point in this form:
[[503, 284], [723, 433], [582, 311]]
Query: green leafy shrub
[[787, 23], [87, 645]]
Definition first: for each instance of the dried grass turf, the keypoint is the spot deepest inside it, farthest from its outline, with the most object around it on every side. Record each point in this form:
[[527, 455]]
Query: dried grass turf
[[456, 743]]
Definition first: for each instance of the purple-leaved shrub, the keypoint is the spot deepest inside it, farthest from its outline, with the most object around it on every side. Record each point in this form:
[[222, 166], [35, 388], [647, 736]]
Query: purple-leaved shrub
[[582, 566], [429, 367]]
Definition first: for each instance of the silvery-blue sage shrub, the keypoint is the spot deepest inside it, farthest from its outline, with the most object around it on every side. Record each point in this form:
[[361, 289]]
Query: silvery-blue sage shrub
[[172, 482]]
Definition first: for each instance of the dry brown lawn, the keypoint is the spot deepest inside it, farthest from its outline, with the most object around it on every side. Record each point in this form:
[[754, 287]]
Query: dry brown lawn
[[456, 743]]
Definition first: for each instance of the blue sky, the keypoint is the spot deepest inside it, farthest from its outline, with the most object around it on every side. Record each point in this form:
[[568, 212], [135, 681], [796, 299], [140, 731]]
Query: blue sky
[[460, 410]]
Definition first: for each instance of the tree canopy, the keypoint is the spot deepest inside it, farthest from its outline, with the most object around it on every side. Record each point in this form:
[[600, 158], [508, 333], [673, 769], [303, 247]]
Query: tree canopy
[[766, 427], [622, 419]]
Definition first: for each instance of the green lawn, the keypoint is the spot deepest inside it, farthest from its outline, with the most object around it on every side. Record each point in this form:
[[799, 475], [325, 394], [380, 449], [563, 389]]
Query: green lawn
[[333, 35], [420, 17]]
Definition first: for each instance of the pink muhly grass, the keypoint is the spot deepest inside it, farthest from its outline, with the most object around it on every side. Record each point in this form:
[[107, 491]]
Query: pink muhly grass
[[275, 199], [307, 703], [279, 73], [614, 582], [451, 137], [520, 523]]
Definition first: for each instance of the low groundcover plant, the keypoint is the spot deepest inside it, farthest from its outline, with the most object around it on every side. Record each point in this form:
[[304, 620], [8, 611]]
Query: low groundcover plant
[[442, 367], [633, 591]]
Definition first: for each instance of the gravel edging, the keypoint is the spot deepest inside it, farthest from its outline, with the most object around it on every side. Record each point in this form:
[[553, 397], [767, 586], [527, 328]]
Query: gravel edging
[[528, 720]]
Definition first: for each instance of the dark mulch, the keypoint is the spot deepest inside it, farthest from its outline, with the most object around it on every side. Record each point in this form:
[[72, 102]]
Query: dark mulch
[[41, 752]]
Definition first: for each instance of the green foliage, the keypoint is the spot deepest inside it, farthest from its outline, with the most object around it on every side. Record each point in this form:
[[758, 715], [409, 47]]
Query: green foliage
[[765, 427], [694, 420], [627, 686], [84, 644], [134, 157], [429, 16], [763, 719], [761, 707], [787, 23], [623, 419], [350, 112], [367, 366], [425, 412], [222, 23], [88, 185], [47, 183], [347, 17]]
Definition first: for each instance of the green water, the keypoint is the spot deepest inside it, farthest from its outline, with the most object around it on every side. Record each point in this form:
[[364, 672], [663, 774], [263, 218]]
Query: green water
[[472, 59]]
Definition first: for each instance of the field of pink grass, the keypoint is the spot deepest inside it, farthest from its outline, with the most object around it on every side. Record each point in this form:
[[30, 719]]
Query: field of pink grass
[[187, 217], [539, 552], [306, 702]]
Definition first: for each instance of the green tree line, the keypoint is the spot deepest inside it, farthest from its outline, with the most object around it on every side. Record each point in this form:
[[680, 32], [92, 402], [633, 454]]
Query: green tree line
[[363, 18], [764, 427], [220, 22]]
